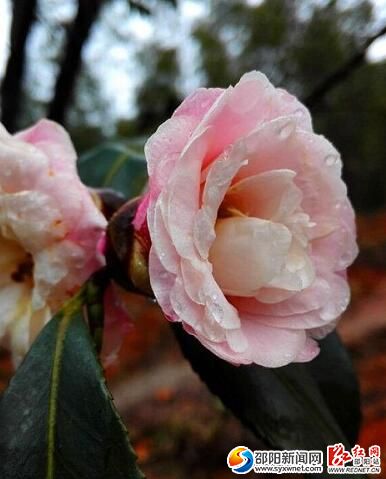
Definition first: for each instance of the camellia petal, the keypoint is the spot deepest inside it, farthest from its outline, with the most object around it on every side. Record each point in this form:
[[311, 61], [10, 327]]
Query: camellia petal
[[243, 274], [50, 229], [250, 222], [271, 195]]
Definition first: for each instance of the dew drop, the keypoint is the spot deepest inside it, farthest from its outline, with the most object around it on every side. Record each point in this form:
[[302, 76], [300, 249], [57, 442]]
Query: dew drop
[[177, 306], [331, 160], [201, 296], [299, 112], [286, 130], [217, 311], [345, 260]]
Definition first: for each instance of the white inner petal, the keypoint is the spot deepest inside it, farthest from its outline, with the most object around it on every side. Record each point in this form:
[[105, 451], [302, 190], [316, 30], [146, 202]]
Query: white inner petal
[[298, 272], [248, 253], [261, 246], [270, 195]]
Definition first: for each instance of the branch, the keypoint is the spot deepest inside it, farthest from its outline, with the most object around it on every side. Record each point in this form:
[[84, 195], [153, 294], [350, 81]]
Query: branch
[[343, 72], [22, 20], [77, 35]]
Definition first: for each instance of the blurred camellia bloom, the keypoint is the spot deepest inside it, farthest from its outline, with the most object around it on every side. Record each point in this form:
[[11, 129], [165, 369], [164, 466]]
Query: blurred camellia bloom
[[49, 230], [251, 227]]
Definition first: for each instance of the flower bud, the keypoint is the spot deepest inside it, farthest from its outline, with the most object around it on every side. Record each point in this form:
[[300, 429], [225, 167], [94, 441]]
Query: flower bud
[[128, 249]]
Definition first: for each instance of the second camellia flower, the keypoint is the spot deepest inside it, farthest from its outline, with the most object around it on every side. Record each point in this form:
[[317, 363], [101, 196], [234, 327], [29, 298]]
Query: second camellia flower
[[50, 229], [250, 223]]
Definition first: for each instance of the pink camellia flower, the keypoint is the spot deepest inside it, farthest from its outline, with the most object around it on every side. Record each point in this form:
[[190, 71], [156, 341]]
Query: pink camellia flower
[[49, 230], [251, 227]]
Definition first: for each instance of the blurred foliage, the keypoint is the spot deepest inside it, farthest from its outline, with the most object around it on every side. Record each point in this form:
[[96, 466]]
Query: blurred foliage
[[353, 118], [64, 413], [157, 97], [296, 44], [119, 166], [297, 49], [238, 37]]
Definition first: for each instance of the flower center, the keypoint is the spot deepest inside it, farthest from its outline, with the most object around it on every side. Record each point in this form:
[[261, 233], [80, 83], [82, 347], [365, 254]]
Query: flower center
[[16, 264], [262, 238], [24, 270]]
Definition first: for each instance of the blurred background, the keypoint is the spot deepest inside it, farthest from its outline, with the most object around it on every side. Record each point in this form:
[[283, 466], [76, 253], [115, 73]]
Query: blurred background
[[113, 70]]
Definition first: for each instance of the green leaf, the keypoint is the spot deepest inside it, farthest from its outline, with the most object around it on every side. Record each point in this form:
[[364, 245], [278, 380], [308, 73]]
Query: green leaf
[[283, 406], [115, 165], [57, 418], [94, 291], [334, 374]]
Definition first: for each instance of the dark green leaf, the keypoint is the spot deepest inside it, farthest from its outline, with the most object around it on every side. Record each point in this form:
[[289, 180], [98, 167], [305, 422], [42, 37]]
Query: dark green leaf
[[335, 376], [114, 165], [283, 406], [57, 419], [94, 291]]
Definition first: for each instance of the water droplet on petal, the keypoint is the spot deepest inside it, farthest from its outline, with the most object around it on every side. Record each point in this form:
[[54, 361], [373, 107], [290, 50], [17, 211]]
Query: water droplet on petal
[[215, 309], [331, 160], [286, 130], [177, 306], [299, 112], [218, 312]]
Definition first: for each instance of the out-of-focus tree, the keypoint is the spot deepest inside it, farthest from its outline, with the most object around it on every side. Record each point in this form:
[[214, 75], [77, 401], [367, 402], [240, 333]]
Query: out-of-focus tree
[[158, 95], [77, 36], [70, 64], [215, 59], [354, 117], [23, 16], [351, 114], [67, 61], [294, 44], [298, 46], [83, 116], [239, 37], [326, 40]]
